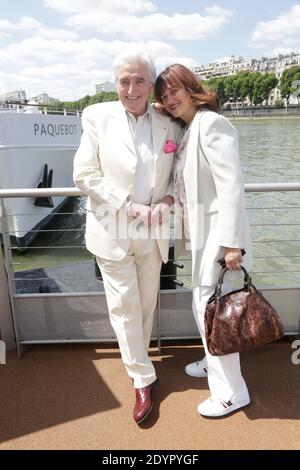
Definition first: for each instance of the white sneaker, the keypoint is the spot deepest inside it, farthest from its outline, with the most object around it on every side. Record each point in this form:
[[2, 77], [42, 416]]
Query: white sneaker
[[197, 369], [213, 408]]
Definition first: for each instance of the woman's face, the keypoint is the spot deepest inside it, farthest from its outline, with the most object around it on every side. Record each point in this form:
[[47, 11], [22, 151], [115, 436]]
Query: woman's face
[[177, 102]]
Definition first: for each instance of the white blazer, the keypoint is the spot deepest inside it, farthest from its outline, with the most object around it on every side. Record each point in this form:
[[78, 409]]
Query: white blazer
[[104, 168], [214, 188]]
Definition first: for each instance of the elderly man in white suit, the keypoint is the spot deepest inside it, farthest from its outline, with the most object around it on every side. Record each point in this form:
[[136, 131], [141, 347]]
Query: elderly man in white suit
[[124, 167]]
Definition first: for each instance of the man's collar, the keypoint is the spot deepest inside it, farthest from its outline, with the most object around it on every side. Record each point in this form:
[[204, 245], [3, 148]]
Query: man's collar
[[146, 113]]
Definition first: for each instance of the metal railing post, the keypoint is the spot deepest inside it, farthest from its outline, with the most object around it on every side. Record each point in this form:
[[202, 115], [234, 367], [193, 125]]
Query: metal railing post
[[158, 323], [10, 275], [7, 333], [298, 335]]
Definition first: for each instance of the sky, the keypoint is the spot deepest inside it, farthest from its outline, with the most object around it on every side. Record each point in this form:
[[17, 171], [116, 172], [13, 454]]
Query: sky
[[65, 47]]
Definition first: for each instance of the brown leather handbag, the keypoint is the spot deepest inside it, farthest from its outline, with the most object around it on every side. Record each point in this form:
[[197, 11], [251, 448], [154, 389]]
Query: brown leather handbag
[[239, 320]]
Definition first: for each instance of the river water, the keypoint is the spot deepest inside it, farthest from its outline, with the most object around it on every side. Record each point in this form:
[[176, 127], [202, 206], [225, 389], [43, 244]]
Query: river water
[[270, 152]]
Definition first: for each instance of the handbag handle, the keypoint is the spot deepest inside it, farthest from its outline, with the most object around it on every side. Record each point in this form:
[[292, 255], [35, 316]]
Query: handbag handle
[[247, 281]]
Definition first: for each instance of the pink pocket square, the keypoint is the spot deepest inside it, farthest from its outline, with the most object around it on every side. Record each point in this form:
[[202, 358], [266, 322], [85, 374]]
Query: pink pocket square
[[170, 146]]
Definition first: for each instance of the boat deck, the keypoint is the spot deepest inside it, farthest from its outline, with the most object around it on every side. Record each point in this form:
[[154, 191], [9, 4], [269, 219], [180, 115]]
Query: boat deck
[[79, 397]]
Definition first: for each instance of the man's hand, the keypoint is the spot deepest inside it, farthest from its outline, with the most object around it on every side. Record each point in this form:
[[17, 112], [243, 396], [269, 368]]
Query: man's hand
[[160, 212], [140, 212]]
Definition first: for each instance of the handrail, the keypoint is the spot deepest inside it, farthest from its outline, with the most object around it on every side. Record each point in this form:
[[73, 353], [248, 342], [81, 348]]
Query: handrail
[[18, 106], [33, 192], [270, 187], [41, 192], [48, 304]]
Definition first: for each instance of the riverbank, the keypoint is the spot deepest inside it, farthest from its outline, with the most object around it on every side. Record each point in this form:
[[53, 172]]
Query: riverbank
[[259, 118], [266, 112]]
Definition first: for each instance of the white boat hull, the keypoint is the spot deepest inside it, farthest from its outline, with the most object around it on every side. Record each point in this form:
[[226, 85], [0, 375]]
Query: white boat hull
[[27, 143]]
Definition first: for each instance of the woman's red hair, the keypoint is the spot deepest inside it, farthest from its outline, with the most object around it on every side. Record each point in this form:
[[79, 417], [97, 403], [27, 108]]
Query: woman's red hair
[[179, 76]]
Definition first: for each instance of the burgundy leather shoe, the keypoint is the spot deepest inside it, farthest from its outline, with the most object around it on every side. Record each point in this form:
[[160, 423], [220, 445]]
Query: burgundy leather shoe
[[143, 402]]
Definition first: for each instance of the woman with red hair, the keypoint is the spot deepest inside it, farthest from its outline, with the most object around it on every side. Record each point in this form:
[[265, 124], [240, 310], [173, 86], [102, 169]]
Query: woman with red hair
[[209, 190]]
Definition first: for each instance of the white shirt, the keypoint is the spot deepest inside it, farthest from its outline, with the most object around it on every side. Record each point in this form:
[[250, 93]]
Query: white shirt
[[141, 132]]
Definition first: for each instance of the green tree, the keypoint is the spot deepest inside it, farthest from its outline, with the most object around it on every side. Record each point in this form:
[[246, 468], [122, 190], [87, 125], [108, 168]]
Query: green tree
[[279, 103], [257, 90], [221, 90], [237, 87], [88, 100], [228, 87], [110, 96], [83, 102], [287, 78], [97, 98], [251, 85], [217, 85], [268, 83], [245, 85]]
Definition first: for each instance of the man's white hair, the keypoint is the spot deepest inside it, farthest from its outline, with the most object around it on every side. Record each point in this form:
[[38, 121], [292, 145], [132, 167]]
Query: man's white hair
[[134, 55]]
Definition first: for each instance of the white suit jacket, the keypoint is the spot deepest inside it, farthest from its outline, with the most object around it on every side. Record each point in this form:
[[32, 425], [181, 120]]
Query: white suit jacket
[[214, 188], [104, 168]]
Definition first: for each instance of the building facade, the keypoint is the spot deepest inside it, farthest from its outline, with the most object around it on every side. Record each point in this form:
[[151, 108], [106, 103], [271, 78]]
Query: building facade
[[105, 87], [43, 98], [17, 96], [233, 65]]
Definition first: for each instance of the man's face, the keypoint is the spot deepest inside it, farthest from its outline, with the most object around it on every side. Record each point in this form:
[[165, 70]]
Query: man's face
[[134, 87]]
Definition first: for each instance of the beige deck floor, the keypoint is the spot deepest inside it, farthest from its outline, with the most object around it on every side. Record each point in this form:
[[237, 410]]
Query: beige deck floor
[[79, 397]]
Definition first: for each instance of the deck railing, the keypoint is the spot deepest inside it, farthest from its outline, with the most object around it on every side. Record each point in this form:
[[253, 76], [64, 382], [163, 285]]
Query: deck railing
[[17, 107], [60, 317]]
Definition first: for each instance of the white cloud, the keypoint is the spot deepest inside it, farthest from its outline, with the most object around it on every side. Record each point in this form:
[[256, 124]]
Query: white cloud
[[94, 6], [39, 50], [158, 25], [27, 24], [57, 83], [66, 65], [52, 33], [69, 69], [163, 62], [61, 71], [282, 50], [4, 35], [4, 24], [221, 59], [286, 25]]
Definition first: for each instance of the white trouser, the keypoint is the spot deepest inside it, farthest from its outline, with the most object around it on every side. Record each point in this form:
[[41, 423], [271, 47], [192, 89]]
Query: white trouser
[[224, 372], [131, 287]]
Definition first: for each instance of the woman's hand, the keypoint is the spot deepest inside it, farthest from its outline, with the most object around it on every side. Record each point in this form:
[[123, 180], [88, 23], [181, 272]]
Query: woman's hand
[[160, 212], [158, 107], [233, 259], [141, 212]]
